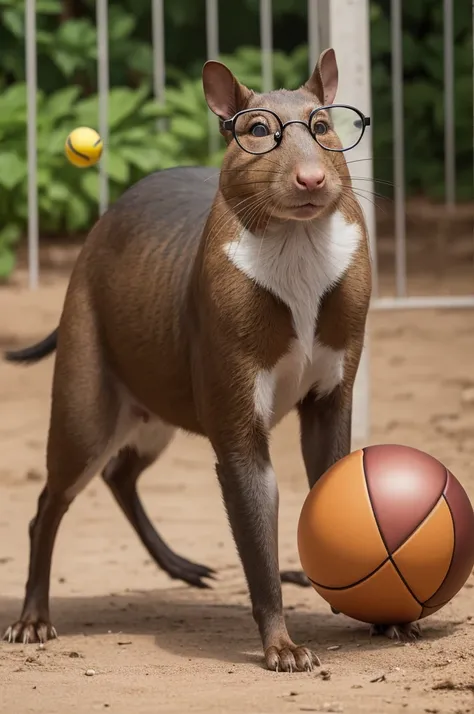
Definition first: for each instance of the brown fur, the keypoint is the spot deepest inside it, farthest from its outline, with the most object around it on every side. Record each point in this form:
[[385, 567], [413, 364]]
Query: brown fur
[[158, 319]]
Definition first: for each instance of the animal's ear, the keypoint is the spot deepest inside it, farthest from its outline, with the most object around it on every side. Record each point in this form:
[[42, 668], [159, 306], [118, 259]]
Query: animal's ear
[[323, 81], [225, 96]]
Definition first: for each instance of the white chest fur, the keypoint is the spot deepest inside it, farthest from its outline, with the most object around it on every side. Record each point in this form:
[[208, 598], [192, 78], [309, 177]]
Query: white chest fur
[[298, 264]]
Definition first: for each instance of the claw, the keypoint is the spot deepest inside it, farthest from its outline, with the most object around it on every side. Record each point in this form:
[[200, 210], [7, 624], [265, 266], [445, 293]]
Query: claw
[[409, 632], [29, 632]]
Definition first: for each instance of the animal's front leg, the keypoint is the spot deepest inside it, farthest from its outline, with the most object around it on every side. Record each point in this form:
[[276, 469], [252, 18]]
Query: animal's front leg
[[326, 438], [325, 425], [250, 493]]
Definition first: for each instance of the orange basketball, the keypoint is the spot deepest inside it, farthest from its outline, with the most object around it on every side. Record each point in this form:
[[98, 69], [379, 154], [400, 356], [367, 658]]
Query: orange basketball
[[386, 536]]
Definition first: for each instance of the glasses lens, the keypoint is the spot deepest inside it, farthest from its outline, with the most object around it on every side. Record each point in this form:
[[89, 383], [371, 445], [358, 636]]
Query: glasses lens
[[257, 131], [337, 128]]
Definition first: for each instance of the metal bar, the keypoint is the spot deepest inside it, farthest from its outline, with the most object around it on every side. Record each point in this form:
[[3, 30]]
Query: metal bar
[[212, 40], [414, 302], [31, 85], [449, 126], [314, 45], [350, 39], [398, 148], [158, 44], [266, 44], [103, 91]]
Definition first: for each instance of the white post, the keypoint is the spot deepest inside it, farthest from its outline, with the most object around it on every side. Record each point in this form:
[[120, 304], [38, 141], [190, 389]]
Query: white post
[[350, 38], [102, 20], [158, 44], [31, 89], [212, 42], [266, 44]]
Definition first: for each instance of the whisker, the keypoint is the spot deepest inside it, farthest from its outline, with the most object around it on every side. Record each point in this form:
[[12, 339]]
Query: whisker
[[366, 190], [374, 180], [249, 217], [231, 213], [374, 203]]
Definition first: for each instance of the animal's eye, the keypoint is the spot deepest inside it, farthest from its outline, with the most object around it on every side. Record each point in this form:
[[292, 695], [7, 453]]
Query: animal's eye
[[320, 128], [259, 130]]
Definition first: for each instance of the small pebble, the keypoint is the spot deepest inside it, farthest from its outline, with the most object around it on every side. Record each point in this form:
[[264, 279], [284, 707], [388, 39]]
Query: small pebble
[[332, 707], [334, 647], [33, 475], [90, 672]]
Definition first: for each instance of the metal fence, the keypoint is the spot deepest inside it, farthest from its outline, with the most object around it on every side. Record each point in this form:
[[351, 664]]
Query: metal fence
[[351, 39]]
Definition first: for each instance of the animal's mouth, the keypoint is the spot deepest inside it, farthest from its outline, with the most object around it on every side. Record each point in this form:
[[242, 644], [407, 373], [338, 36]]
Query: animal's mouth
[[306, 211]]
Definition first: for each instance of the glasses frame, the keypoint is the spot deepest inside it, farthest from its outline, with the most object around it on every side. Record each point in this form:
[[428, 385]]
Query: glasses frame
[[229, 125]]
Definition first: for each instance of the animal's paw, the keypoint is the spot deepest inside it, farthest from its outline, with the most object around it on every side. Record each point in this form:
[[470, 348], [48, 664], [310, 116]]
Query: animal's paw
[[26, 632], [402, 633], [291, 659], [296, 577]]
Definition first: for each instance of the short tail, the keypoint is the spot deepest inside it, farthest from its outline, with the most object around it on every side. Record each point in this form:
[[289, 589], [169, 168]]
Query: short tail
[[35, 353]]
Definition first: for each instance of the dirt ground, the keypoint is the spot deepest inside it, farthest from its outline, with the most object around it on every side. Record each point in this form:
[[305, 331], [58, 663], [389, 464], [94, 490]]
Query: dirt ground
[[156, 645]]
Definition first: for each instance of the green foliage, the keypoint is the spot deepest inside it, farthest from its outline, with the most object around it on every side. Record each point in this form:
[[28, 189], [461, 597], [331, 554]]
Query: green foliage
[[67, 66], [67, 196], [423, 97]]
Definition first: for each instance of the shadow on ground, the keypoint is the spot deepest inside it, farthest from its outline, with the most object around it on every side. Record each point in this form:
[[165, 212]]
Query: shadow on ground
[[191, 624]]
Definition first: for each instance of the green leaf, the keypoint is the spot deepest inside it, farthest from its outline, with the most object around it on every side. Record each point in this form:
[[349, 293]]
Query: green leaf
[[117, 168], [87, 111], [78, 215], [7, 263], [12, 169], [188, 129], [9, 235], [141, 59], [13, 99], [48, 7], [13, 19], [66, 62], [44, 176], [143, 158], [58, 192], [154, 109], [138, 134], [123, 102], [90, 184], [76, 34], [121, 24], [60, 104]]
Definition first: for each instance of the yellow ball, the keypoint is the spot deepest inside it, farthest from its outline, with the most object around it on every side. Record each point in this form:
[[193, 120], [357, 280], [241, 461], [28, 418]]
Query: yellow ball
[[83, 147]]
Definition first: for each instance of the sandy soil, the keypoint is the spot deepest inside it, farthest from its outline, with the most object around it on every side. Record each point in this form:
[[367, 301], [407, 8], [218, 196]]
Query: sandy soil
[[156, 645]]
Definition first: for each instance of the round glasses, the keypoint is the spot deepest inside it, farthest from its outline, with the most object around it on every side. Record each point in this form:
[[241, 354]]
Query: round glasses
[[337, 127]]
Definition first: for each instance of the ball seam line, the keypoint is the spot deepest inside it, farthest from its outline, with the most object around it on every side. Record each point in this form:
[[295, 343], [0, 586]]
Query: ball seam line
[[432, 507], [452, 554], [351, 585], [390, 558], [75, 151]]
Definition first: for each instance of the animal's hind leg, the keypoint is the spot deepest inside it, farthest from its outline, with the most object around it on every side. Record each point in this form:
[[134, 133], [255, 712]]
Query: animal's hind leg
[[88, 424], [121, 475], [34, 623]]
